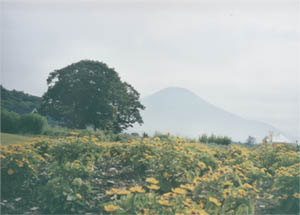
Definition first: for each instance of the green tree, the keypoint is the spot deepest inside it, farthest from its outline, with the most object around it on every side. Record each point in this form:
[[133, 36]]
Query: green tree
[[89, 93], [250, 140], [203, 139], [18, 101], [212, 138]]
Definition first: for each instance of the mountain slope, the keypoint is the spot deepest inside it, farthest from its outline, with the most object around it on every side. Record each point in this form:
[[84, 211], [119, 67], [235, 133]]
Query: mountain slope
[[18, 101], [182, 112]]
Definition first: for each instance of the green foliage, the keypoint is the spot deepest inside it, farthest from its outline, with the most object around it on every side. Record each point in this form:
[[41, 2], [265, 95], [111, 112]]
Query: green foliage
[[203, 139], [18, 102], [10, 122], [222, 140], [89, 93], [32, 123], [250, 141], [56, 131], [23, 168]]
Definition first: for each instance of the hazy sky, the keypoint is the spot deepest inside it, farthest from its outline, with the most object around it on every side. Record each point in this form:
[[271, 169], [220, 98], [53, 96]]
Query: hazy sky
[[242, 56]]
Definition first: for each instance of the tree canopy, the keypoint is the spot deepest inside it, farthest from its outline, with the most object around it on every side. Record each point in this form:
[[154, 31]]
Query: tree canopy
[[89, 93]]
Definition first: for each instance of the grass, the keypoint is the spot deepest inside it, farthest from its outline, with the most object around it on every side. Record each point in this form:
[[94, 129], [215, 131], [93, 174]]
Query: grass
[[7, 139]]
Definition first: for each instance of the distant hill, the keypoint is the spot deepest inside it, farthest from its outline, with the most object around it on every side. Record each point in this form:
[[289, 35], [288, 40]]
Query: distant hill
[[183, 113], [18, 101]]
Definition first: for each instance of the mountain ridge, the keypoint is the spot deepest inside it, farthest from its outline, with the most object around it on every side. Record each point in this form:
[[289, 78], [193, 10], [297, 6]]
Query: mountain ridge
[[182, 112]]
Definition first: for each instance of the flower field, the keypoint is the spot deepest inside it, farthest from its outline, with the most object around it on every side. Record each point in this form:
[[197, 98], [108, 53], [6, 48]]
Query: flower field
[[85, 175]]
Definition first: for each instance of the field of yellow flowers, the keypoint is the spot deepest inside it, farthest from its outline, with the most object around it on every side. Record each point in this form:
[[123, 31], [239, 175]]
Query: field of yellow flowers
[[85, 175]]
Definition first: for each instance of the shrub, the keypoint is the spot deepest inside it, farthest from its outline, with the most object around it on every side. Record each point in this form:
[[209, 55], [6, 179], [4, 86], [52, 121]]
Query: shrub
[[32, 123], [9, 122], [222, 140], [56, 131], [13, 123]]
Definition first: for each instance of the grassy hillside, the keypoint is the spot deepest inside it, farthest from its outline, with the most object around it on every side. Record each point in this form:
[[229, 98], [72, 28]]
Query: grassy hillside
[[83, 174], [18, 101], [7, 139]]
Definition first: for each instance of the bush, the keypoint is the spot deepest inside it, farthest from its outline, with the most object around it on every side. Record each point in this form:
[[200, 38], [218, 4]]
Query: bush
[[215, 139], [14, 123], [56, 131], [9, 122], [32, 123]]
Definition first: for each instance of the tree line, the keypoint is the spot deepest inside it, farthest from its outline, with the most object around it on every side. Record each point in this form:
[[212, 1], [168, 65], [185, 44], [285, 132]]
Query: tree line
[[222, 140], [19, 102]]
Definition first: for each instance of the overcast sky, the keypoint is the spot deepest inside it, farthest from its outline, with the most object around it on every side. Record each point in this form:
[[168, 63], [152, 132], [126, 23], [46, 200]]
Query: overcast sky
[[242, 56]]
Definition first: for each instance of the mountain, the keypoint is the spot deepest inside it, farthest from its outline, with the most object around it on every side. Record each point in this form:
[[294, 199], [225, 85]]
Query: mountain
[[181, 112], [18, 101]]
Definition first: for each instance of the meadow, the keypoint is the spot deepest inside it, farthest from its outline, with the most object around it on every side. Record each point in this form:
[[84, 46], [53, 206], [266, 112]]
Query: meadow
[[14, 138], [85, 174]]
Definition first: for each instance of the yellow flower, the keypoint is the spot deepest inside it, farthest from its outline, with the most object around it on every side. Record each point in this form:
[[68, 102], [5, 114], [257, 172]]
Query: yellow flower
[[262, 170], [153, 187], [110, 208], [123, 192], [201, 165], [152, 180], [137, 189], [226, 193], [79, 196], [20, 163], [166, 175], [201, 204], [164, 202], [141, 160], [10, 172], [297, 195], [229, 183], [187, 202], [248, 186], [169, 195], [215, 201], [203, 212], [112, 191], [187, 186], [179, 191], [242, 192], [46, 154], [196, 211]]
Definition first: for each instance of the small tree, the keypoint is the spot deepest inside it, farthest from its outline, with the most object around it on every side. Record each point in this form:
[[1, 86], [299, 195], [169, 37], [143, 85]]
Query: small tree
[[226, 140], [203, 139], [212, 139], [250, 140], [265, 140], [90, 93]]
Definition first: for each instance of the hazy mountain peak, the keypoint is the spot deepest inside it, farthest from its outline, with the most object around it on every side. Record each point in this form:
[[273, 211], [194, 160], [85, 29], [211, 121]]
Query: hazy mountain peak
[[175, 96], [174, 91], [182, 112]]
